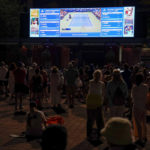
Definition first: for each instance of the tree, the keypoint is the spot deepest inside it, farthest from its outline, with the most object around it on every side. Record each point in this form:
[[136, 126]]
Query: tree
[[10, 18]]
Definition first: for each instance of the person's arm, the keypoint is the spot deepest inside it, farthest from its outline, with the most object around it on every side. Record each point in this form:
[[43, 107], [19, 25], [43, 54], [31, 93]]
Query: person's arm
[[43, 118], [125, 90]]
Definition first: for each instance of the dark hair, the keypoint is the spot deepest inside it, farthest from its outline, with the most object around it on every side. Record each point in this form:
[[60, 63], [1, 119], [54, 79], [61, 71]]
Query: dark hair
[[41, 67], [19, 64], [54, 69], [33, 104], [37, 71], [54, 138], [126, 66], [139, 78], [12, 66]]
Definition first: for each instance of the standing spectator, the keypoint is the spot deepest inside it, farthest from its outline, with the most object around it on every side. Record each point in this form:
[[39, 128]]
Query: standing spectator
[[94, 103], [56, 84], [36, 86], [117, 93], [139, 95], [36, 122], [71, 75], [20, 80], [127, 76], [11, 81], [31, 73], [3, 79], [133, 75], [86, 78], [45, 82]]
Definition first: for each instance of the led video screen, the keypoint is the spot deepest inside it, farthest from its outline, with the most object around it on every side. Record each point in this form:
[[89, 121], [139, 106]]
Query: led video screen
[[82, 22]]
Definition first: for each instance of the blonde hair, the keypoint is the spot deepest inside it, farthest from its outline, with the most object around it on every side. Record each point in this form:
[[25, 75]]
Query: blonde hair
[[54, 69], [97, 75]]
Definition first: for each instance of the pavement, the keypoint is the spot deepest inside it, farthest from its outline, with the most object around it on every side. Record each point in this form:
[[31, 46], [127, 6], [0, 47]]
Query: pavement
[[75, 122]]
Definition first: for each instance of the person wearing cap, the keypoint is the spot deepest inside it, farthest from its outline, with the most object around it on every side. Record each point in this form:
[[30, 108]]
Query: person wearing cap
[[116, 93], [118, 134], [36, 122]]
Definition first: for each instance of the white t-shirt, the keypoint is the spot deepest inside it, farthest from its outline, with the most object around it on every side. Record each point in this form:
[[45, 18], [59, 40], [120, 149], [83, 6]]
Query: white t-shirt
[[36, 123], [96, 88]]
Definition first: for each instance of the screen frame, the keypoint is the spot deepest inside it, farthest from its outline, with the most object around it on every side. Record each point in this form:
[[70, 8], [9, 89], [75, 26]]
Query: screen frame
[[134, 20]]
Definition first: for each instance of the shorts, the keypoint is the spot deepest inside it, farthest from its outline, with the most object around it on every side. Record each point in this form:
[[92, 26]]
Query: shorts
[[21, 88]]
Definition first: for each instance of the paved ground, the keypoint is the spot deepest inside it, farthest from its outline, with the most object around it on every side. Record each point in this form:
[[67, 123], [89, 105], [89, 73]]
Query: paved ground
[[75, 122]]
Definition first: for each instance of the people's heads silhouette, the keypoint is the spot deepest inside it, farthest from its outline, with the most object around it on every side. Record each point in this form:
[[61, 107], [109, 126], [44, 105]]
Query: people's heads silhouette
[[117, 131], [37, 71], [54, 138], [139, 78], [54, 69]]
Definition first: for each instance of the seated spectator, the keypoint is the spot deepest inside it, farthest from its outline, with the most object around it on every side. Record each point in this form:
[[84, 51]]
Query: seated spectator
[[117, 132], [54, 138], [36, 122]]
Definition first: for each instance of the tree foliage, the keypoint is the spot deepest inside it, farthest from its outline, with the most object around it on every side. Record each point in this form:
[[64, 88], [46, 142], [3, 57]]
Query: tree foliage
[[10, 18]]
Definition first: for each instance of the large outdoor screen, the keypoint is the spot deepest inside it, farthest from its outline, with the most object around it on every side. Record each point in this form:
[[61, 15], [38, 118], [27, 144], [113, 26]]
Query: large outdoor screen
[[82, 22]]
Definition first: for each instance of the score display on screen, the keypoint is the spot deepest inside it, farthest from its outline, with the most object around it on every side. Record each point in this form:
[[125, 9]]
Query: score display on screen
[[82, 22]]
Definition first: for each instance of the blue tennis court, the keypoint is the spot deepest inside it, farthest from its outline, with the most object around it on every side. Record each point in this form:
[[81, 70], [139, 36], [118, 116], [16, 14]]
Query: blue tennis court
[[79, 20]]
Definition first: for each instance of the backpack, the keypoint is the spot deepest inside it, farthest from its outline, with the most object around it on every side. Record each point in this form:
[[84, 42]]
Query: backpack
[[118, 98]]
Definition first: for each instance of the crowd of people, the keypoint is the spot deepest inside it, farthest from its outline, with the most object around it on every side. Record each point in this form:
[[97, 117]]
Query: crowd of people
[[122, 91]]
